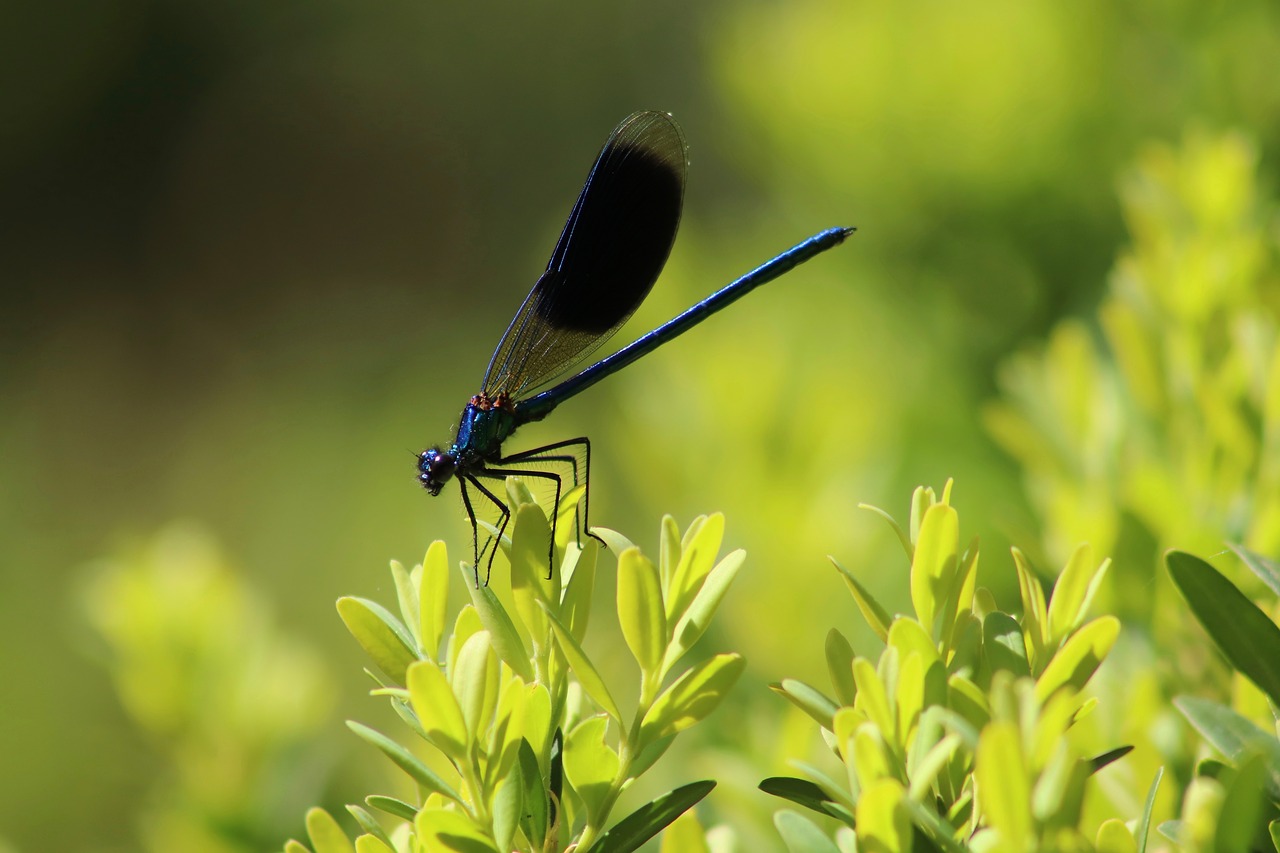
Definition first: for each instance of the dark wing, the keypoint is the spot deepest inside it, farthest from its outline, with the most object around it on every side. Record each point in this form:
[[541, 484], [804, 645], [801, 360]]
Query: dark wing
[[610, 253]]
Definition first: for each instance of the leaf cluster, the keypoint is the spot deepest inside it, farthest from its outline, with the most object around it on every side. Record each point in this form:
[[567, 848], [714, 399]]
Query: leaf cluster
[[528, 748]]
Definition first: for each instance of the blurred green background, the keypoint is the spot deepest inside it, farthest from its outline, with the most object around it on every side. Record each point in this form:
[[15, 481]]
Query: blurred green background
[[254, 255]]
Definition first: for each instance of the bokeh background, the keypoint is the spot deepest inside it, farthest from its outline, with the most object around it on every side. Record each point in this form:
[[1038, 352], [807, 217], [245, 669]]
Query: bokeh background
[[254, 255]]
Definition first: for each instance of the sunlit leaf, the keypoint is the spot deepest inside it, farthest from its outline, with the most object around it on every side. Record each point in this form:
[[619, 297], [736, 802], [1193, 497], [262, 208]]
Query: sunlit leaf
[[839, 655], [1080, 656], [325, 834], [530, 586], [697, 616], [405, 760], [373, 844], [590, 764], [586, 672], [392, 806], [697, 557], [640, 609], [380, 634], [437, 709], [575, 610], [934, 565], [370, 825], [1035, 616], [502, 631], [1073, 591], [447, 831], [883, 821], [808, 699], [1114, 837], [433, 597], [1001, 776], [692, 696], [877, 617]]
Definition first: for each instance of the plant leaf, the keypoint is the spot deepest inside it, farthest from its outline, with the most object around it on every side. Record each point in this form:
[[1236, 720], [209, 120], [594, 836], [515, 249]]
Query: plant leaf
[[692, 696], [405, 760], [640, 609], [370, 825], [1080, 656], [808, 699], [1266, 569], [575, 608], [437, 709], [447, 831], [648, 820], [533, 822], [934, 565], [497, 622], [433, 597], [1245, 635], [586, 672], [883, 821], [380, 634], [877, 617], [802, 835], [1003, 792], [1144, 823], [325, 834], [1232, 734], [590, 764], [392, 806], [693, 623], [1072, 592]]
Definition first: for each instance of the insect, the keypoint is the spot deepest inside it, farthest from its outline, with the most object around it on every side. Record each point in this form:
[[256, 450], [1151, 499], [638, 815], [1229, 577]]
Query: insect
[[609, 254]]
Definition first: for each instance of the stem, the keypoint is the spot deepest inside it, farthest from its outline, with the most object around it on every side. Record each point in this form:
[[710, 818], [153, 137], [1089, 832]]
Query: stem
[[627, 750]]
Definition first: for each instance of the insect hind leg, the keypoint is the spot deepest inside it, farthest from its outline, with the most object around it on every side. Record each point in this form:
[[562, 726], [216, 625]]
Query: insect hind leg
[[580, 465], [504, 514], [502, 473]]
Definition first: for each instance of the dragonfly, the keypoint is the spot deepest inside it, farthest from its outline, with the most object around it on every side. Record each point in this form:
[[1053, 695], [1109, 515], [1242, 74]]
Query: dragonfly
[[611, 251]]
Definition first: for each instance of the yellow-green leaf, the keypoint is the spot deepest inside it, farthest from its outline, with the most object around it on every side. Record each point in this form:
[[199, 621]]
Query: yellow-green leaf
[[640, 610], [1079, 657], [1003, 792], [588, 677], [884, 824], [380, 634], [448, 831], [325, 834], [433, 597], [475, 682], [529, 583], [934, 565], [692, 696], [877, 617], [590, 764], [698, 615], [1072, 593], [437, 709], [502, 631], [697, 557]]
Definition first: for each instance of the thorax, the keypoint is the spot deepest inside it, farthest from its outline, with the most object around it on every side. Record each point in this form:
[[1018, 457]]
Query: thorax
[[486, 422]]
